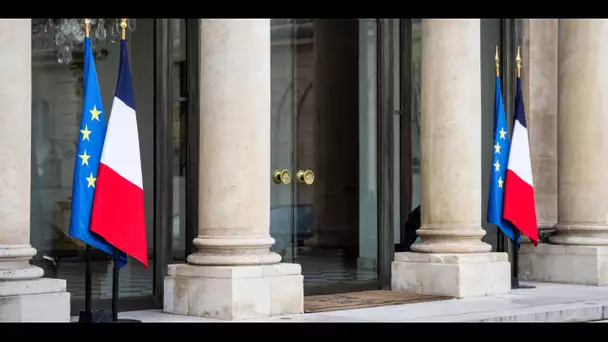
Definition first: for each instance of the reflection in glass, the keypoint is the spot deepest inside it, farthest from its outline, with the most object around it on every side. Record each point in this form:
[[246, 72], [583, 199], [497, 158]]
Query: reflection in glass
[[57, 91], [416, 60], [180, 105], [286, 51]]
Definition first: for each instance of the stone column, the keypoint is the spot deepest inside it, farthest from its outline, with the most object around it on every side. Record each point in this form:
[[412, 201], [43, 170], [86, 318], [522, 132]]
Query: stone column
[[579, 253], [233, 275], [539, 83], [451, 259], [24, 294], [540, 90]]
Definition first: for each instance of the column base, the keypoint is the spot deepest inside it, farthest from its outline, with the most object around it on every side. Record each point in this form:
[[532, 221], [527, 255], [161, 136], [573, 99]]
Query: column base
[[234, 292], [583, 265], [38, 300], [454, 275], [545, 231]]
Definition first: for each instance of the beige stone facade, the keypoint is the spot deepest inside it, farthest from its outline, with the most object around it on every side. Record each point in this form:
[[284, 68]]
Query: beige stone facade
[[235, 274], [24, 294], [577, 251]]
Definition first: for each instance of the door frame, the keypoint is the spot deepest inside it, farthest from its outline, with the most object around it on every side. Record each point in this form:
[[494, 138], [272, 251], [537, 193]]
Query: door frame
[[163, 145], [385, 136], [165, 98], [193, 131]]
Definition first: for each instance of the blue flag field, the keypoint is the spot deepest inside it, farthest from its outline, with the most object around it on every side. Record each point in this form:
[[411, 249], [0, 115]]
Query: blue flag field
[[88, 153], [500, 159]]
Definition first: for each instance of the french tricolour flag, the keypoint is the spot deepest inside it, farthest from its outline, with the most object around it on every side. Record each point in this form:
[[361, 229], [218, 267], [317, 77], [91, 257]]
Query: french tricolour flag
[[118, 206], [519, 205]]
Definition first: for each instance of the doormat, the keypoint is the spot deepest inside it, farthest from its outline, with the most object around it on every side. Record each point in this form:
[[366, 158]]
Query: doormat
[[364, 299]]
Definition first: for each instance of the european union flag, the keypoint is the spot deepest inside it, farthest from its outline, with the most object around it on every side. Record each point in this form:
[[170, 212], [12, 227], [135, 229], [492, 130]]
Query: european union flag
[[88, 154], [500, 158]]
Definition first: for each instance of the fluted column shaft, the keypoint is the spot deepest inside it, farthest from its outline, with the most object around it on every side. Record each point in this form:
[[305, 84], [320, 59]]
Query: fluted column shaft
[[451, 138], [582, 139], [15, 150], [234, 185], [539, 79]]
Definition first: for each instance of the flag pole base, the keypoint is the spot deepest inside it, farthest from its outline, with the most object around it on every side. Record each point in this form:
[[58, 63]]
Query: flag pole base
[[126, 320], [515, 285], [95, 316]]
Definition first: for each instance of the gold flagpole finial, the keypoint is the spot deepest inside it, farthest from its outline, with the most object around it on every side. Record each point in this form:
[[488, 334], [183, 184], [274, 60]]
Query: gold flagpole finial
[[497, 62], [87, 22], [123, 25], [518, 62]]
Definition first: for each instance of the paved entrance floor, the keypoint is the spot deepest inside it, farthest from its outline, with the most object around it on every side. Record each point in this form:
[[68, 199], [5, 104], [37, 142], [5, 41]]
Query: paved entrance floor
[[546, 303]]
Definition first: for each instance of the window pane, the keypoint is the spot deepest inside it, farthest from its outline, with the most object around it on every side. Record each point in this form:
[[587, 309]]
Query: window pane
[[57, 98], [416, 59], [180, 105]]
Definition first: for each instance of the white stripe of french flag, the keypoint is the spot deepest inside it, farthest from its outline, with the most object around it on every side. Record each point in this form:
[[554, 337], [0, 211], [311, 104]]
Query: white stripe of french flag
[[519, 207]]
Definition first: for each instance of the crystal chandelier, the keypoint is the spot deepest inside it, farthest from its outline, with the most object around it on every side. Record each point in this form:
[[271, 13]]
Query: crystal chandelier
[[65, 36]]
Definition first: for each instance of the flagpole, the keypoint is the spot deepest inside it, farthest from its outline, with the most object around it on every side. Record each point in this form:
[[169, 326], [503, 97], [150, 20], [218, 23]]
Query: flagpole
[[500, 236], [115, 279], [115, 282], [515, 279], [516, 236], [86, 316], [115, 287]]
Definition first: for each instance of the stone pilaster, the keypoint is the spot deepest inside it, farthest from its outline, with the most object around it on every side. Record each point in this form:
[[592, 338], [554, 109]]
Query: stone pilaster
[[579, 249], [24, 294], [451, 259], [539, 83], [233, 275]]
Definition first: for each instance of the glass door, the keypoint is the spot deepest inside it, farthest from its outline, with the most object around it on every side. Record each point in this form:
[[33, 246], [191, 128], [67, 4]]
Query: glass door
[[284, 88], [324, 198]]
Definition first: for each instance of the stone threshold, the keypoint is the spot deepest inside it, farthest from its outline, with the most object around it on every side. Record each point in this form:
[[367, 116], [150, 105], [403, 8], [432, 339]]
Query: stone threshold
[[546, 303]]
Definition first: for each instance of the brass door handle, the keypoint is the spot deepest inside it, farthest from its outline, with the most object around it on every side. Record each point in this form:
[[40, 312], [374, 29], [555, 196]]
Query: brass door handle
[[305, 177], [281, 176]]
